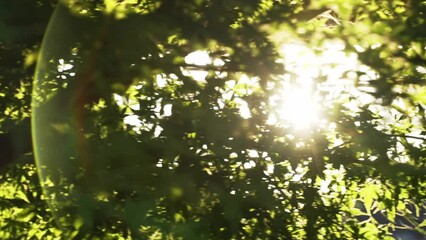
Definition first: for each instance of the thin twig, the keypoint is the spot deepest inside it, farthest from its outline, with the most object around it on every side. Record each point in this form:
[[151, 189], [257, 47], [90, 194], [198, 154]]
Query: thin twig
[[407, 136]]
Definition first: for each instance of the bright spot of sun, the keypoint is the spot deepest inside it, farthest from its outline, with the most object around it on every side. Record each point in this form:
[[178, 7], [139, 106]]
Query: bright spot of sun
[[299, 107], [197, 58], [298, 103]]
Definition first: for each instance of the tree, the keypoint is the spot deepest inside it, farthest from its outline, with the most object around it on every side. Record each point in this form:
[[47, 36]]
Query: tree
[[172, 120]]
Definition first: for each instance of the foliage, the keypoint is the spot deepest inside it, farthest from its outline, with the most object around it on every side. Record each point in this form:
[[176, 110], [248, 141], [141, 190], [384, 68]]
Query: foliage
[[209, 157]]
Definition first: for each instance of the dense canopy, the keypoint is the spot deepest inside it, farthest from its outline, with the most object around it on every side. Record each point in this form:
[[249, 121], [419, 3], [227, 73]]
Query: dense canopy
[[212, 119]]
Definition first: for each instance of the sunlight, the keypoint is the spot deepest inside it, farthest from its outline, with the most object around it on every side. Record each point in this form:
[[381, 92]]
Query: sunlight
[[197, 58], [299, 107], [298, 103]]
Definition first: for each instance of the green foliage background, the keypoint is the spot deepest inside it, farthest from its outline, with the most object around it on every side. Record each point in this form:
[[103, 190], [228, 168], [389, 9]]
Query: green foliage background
[[176, 185]]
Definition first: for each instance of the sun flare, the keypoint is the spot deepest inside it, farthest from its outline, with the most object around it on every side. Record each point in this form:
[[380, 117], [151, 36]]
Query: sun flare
[[299, 108], [298, 103]]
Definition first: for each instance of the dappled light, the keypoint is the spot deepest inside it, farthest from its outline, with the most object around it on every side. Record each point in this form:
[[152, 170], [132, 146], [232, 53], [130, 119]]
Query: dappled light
[[185, 116], [202, 119]]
